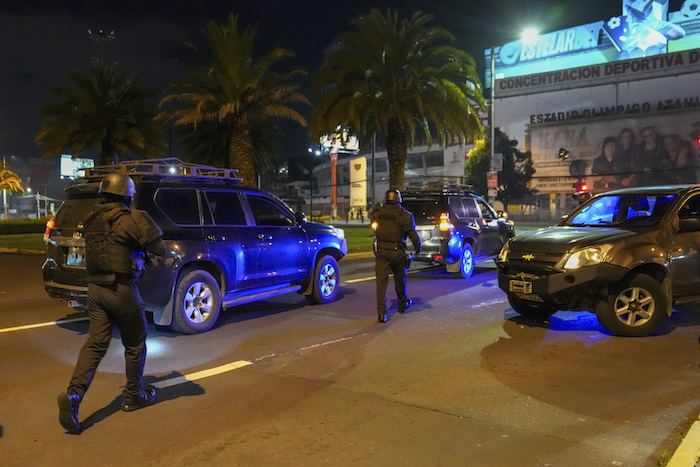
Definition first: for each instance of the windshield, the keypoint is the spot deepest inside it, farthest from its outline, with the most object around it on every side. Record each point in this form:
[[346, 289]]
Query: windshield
[[629, 210]]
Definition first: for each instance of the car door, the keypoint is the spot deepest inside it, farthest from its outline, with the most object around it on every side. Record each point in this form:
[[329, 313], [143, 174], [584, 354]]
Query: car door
[[231, 241], [685, 253], [282, 253], [489, 228]]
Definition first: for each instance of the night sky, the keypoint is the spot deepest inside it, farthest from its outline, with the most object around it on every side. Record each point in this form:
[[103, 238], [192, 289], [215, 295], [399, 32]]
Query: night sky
[[44, 39]]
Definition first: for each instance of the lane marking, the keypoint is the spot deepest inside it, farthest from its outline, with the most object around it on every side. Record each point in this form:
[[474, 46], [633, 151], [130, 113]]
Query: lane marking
[[201, 374], [42, 325]]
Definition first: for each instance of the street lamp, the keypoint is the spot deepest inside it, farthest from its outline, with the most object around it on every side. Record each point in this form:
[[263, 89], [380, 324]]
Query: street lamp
[[316, 153]]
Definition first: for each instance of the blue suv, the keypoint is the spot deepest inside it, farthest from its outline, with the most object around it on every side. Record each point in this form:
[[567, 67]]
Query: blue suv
[[226, 244]]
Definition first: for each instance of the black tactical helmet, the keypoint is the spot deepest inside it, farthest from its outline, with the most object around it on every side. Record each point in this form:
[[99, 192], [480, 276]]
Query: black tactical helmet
[[118, 184], [393, 196]]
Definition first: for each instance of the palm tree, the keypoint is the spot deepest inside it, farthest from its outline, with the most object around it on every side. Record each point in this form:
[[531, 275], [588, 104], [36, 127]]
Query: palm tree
[[391, 77], [235, 98], [9, 180], [103, 111]]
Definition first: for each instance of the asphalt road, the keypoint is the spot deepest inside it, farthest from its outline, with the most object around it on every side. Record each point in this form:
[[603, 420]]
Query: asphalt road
[[458, 380]]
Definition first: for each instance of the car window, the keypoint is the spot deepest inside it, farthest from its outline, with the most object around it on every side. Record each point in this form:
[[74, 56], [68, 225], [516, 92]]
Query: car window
[[470, 207], [691, 208], [266, 212], [633, 210], [486, 211], [180, 205], [425, 210], [457, 207], [225, 207], [74, 209]]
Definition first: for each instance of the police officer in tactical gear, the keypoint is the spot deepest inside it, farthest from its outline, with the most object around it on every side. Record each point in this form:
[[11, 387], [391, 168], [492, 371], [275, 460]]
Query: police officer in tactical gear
[[116, 238], [392, 224]]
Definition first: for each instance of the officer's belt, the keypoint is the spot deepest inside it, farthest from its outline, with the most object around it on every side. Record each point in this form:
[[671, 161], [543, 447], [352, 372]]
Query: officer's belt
[[391, 245]]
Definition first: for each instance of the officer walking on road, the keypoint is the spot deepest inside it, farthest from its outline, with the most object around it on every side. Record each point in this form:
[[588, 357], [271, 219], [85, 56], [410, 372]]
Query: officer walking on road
[[392, 224], [117, 239]]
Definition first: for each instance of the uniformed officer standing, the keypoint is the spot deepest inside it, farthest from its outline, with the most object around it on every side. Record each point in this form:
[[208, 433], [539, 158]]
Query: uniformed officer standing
[[116, 238], [392, 224]]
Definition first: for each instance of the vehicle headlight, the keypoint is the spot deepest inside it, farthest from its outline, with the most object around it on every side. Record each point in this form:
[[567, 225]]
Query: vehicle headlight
[[503, 254], [340, 233], [586, 257]]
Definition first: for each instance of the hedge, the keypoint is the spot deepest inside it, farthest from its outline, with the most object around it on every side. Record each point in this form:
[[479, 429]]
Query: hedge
[[24, 225]]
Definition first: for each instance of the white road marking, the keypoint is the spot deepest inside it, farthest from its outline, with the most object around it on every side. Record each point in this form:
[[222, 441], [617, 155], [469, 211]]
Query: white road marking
[[201, 374], [41, 325]]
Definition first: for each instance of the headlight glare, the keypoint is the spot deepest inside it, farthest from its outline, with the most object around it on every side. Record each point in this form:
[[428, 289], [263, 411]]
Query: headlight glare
[[586, 257], [503, 254]]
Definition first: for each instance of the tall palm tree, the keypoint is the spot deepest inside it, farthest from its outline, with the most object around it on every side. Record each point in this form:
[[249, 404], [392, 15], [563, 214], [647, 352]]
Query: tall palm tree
[[392, 77], [103, 111], [236, 97]]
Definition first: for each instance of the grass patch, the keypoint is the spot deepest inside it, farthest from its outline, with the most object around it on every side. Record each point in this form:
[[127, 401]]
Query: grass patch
[[359, 238], [23, 241]]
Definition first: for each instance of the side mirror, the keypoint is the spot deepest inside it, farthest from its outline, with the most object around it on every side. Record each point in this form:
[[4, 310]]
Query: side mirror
[[300, 218]]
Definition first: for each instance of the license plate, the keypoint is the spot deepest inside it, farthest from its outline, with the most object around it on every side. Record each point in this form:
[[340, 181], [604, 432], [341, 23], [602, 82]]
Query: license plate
[[520, 287], [76, 256]]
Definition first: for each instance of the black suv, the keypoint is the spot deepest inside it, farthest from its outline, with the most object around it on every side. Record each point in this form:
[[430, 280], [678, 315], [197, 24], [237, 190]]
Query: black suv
[[457, 228], [225, 244], [626, 255]]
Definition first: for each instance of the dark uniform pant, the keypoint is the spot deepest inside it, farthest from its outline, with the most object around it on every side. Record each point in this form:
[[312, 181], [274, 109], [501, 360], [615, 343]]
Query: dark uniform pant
[[119, 303], [390, 261]]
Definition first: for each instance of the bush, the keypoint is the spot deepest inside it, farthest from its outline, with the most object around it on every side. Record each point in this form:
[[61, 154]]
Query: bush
[[24, 225]]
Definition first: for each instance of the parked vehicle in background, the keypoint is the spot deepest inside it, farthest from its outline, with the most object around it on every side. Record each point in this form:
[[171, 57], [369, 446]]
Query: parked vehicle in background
[[626, 255], [226, 244], [456, 227]]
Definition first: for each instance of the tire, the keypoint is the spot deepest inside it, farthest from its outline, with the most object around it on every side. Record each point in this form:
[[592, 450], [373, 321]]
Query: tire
[[197, 302], [326, 281], [466, 261], [635, 308], [527, 309]]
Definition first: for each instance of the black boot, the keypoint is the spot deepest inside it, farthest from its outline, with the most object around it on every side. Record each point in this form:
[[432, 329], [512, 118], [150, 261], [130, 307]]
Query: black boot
[[68, 411], [145, 398], [405, 305], [383, 318]]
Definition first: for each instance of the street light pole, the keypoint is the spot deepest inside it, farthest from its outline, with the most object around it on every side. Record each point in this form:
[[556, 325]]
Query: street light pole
[[4, 194]]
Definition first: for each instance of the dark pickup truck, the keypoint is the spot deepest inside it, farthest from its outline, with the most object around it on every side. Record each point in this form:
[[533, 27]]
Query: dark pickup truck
[[626, 255]]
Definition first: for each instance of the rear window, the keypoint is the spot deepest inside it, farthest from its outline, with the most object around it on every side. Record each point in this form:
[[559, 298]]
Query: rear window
[[74, 209], [424, 210]]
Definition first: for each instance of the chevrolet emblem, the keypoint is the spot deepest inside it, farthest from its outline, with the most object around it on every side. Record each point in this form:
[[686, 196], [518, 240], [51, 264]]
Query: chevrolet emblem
[[528, 257]]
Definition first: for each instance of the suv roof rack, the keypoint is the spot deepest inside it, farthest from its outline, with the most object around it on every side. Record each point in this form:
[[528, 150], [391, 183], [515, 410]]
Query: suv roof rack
[[442, 188], [170, 167]]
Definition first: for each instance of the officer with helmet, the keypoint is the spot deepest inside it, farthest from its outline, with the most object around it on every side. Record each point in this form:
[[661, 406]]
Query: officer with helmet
[[116, 240], [392, 224]]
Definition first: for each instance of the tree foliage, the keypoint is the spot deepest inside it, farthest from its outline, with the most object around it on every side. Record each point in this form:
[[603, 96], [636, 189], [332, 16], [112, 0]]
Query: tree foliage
[[517, 168], [9, 180], [231, 100], [396, 78], [102, 111]]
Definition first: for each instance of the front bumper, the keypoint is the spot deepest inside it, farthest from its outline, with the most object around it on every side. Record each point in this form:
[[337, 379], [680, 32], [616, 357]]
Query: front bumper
[[556, 286]]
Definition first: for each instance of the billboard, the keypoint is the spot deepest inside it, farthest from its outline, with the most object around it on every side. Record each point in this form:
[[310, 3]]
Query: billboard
[[615, 152], [645, 29]]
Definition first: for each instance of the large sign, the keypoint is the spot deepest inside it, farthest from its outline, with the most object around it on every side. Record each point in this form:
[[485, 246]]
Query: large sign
[[645, 29], [658, 148]]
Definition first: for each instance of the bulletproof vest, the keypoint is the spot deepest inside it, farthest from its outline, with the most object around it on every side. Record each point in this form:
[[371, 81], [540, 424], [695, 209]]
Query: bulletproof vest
[[388, 226], [102, 256]]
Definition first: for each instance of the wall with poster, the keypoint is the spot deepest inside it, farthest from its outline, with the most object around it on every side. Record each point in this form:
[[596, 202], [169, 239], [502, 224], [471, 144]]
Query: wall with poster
[[670, 156]]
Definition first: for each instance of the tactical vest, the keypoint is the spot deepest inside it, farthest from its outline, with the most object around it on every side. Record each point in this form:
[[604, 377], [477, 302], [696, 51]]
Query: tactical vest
[[104, 258], [388, 226]]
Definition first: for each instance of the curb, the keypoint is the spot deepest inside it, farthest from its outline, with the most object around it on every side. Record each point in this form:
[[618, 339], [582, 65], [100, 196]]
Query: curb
[[22, 251], [688, 453]]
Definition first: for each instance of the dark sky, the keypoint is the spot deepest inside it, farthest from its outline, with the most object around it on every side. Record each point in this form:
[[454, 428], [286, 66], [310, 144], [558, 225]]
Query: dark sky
[[44, 39]]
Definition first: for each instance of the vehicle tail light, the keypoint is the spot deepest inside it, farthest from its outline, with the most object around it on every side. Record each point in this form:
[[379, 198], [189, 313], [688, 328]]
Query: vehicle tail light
[[49, 226], [445, 224]]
